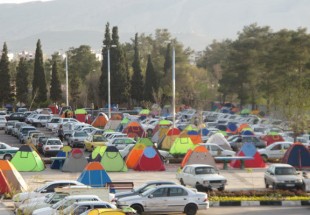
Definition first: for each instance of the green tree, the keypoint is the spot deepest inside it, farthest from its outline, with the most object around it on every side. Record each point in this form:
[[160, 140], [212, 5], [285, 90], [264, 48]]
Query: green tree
[[39, 91], [151, 81], [168, 59], [137, 78], [74, 89], [55, 89], [22, 81], [5, 85]]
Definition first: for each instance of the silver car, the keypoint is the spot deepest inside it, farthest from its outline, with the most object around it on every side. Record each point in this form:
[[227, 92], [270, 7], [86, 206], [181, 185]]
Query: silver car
[[282, 176], [167, 199], [76, 139]]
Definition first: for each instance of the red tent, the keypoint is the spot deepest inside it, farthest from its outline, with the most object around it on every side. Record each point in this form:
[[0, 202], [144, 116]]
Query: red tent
[[150, 161], [272, 139], [4, 184]]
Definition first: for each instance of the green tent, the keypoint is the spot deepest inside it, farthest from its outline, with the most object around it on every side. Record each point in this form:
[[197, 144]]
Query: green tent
[[145, 141], [97, 153], [125, 121], [191, 128], [80, 111], [222, 132], [27, 160], [181, 145], [245, 111], [164, 122], [272, 133], [144, 112], [112, 160]]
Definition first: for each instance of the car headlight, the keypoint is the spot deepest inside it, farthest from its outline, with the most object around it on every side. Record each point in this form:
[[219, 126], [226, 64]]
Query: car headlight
[[299, 181], [206, 182]]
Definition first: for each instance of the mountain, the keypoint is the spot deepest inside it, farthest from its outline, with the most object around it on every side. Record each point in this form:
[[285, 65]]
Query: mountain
[[61, 24]]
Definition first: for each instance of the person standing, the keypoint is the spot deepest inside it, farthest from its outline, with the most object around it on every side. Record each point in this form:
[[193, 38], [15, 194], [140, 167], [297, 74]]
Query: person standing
[[61, 133]]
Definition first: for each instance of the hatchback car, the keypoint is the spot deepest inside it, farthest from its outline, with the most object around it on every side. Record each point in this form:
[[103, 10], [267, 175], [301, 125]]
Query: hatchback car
[[167, 199], [282, 176]]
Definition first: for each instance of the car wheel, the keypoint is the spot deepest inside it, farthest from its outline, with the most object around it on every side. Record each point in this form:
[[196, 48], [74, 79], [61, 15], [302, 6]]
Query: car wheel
[[265, 158], [7, 157], [266, 184], [182, 182], [274, 186], [221, 188], [190, 209], [137, 208]]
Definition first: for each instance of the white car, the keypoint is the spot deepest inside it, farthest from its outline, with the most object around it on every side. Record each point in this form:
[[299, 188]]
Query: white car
[[40, 120], [167, 199], [120, 142], [216, 150], [52, 122], [82, 206], [275, 150], [29, 205], [2, 122], [48, 187], [52, 146], [6, 151], [58, 207], [9, 126], [283, 176], [202, 177]]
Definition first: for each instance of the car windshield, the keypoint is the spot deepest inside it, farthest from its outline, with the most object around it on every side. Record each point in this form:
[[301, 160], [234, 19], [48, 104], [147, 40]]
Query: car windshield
[[80, 134], [204, 170], [285, 171], [99, 139], [148, 192], [53, 142]]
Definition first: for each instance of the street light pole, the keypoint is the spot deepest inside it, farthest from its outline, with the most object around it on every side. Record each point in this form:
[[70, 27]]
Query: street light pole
[[173, 85], [109, 84], [67, 82]]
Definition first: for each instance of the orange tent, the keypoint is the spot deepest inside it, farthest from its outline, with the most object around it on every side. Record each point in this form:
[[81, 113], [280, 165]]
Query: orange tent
[[100, 121], [134, 129], [242, 126], [199, 155], [134, 155]]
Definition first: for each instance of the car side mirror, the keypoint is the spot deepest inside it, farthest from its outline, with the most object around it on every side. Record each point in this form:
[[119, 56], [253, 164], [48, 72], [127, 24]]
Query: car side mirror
[[271, 173], [150, 196], [44, 191]]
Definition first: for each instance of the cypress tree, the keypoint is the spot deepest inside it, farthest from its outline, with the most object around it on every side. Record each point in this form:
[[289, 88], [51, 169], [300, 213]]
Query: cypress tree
[[137, 78], [168, 60], [5, 85], [22, 81], [39, 90], [55, 90], [103, 82], [74, 86], [151, 81]]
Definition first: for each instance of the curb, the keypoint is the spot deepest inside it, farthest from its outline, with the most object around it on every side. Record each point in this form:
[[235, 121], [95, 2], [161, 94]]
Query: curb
[[258, 203]]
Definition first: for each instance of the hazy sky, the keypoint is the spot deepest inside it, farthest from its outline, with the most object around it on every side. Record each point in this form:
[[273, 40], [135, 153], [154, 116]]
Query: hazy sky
[[18, 1]]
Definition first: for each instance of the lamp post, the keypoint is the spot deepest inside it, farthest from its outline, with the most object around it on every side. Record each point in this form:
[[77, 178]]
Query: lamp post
[[173, 85], [109, 80], [67, 81]]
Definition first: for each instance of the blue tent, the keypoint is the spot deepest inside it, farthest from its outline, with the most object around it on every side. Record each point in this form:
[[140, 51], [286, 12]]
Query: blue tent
[[247, 132], [232, 126], [57, 164], [298, 156], [204, 132], [94, 175]]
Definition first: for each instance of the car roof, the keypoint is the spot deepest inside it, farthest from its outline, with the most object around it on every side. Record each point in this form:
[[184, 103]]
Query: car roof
[[160, 182], [81, 196], [63, 181], [199, 165], [281, 165], [91, 203]]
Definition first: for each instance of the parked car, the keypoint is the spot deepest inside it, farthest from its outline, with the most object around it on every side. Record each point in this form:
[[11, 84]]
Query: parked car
[[202, 177], [23, 131], [52, 146], [40, 120], [142, 188], [58, 207], [282, 176], [6, 151], [2, 122], [77, 138], [9, 126], [82, 206], [27, 207], [167, 199], [17, 127], [275, 150], [41, 141], [92, 141], [120, 142], [236, 141], [48, 187], [53, 121], [216, 150], [16, 116]]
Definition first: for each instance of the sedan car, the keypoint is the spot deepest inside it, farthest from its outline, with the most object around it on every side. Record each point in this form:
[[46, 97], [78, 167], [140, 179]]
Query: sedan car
[[142, 188], [6, 151], [82, 206], [52, 146], [77, 138], [202, 177], [92, 141], [121, 142], [282, 176], [167, 199], [236, 141], [217, 150], [275, 150]]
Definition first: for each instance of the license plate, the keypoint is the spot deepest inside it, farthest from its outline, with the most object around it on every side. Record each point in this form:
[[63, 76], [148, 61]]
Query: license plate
[[54, 147], [290, 185]]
